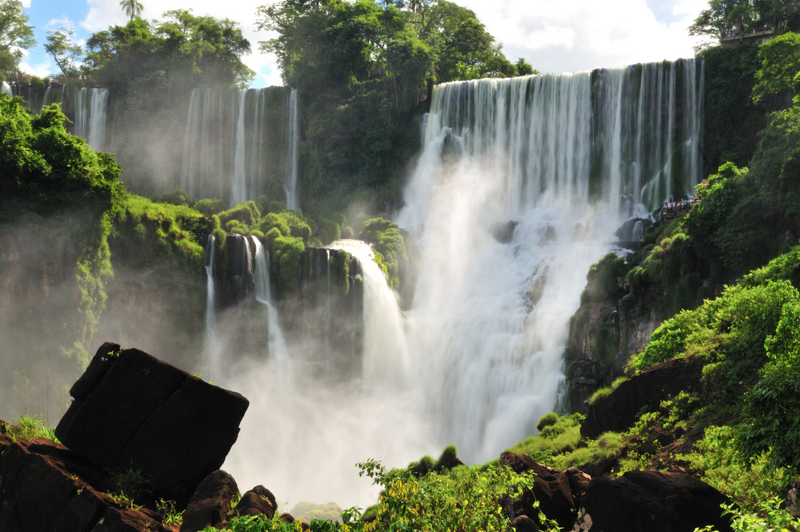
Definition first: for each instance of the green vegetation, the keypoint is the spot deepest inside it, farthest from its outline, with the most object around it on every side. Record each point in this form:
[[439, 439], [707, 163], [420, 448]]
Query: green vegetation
[[15, 35], [389, 247], [363, 71], [27, 428]]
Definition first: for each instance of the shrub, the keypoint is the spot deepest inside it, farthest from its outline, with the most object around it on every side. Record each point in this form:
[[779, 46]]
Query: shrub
[[551, 418], [209, 207]]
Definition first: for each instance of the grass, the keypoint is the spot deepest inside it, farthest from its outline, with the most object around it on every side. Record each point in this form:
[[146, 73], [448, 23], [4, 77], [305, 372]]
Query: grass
[[30, 427]]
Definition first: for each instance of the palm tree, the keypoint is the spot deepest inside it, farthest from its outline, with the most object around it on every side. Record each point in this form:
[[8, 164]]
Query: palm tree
[[132, 8]]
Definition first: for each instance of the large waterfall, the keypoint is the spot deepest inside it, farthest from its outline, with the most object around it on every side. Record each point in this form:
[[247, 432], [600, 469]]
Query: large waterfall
[[518, 190], [241, 144], [565, 158]]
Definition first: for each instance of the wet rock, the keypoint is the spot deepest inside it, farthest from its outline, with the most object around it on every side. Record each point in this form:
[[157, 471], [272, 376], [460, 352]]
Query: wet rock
[[211, 502], [258, 500], [503, 232], [649, 501], [619, 410], [551, 489], [132, 409]]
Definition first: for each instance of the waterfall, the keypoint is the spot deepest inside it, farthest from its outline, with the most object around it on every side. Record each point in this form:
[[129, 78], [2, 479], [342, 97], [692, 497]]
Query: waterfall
[[566, 156], [293, 147], [90, 116], [241, 144], [211, 345], [5, 88], [276, 343], [385, 356]]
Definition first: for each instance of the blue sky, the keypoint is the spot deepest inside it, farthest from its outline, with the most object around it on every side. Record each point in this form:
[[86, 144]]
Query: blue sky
[[552, 35]]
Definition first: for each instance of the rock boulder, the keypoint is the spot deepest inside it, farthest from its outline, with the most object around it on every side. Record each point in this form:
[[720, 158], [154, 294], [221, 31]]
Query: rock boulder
[[133, 410]]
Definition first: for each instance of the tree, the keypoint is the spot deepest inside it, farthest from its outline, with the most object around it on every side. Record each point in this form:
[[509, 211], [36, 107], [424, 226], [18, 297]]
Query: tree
[[15, 34], [524, 68], [64, 51], [132, 8], [736, 17], [780, 65]]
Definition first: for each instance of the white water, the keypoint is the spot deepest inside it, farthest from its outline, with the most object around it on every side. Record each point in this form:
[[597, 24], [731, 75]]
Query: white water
[[276, 343], [237, 148], [293, 153], [490, 321], [306, 433], [212, 366], [90, 116], [479, 357], [5, 88]]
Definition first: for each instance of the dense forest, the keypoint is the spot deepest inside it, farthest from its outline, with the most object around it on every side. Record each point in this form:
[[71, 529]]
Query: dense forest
[[718, 286]]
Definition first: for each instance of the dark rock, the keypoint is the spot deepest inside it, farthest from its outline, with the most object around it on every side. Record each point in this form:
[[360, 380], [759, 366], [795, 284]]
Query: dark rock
[[258, 500], [620, 409], [551, 489], [523, 523], [46, 487], [135, 410], [503, 232], [648, 501], [578, 483], [127, 520], [625, 233], [211, 502], [519, 463]]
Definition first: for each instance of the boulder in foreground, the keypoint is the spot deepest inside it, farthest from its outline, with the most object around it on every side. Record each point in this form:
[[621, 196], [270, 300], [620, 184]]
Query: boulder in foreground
[[132, 410]]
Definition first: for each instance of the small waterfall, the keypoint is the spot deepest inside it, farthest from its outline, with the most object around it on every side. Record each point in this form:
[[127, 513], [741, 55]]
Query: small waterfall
[[385, 358], [213, 349], [241, 144], [90, 116], [239, 190], [277, 344], [293, 153], [638, 231], [5, 88]]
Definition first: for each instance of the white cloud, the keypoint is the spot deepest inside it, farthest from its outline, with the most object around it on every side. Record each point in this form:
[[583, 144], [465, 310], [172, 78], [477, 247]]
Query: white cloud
[[63, 22], [553, 35], [26, 3], [570, 35]]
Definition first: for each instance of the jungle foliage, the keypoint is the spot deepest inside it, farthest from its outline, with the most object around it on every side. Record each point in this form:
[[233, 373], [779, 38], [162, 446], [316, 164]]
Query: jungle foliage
[[364, 71]]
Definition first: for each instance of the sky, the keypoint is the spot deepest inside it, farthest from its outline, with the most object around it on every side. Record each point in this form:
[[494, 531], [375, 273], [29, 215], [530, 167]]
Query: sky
[[552, 35]]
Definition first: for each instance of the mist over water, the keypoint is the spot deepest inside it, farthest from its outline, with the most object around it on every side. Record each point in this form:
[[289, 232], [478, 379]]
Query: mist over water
[[478, 358]]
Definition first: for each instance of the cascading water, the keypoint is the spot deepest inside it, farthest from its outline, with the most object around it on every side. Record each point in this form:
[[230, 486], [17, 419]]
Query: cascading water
[[293, 146], [568, 157], [90, 116], [276, 343], [385, 356], [478, 358], [211, 345], [241, 144], [5, 88]]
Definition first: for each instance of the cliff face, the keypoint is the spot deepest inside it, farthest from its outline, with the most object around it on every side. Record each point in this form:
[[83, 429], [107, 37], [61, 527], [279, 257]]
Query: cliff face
[[613, 323], [320, 313]]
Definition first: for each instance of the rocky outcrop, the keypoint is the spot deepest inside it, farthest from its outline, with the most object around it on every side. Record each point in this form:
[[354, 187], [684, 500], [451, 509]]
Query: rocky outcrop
[[649, 501], [133, 411], [258, 500], [551, 489], [45, 486], [211, 502], [620, 409], [503, 232]]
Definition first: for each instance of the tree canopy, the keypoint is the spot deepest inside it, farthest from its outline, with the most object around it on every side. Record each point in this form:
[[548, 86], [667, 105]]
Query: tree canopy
[[15, 34], [65, 52], [735, 17], [182, 51], [363, 70]]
